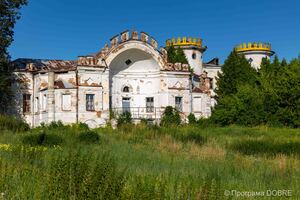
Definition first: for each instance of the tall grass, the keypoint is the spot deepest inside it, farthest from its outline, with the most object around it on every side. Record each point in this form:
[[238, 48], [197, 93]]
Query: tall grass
[[148, 162], [13, 124]]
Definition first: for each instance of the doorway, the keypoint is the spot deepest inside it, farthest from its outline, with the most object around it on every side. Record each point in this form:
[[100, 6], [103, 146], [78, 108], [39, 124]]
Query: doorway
[[126, 104]]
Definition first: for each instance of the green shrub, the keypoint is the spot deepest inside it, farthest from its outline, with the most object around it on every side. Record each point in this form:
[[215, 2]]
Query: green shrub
[[42, 138], [192, 119], [266, 147], [13, 124], [81, 126], [124, 118], [89, 137], [206, 122], [170, 117], [55, 125], [183, 134]]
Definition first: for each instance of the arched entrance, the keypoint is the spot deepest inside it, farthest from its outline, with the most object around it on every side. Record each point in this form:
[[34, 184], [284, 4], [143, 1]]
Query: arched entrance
[[134, 76]]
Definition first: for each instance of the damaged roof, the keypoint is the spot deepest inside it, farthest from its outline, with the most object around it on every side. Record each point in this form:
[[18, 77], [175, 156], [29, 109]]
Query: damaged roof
[[62, 84], [44, 64]]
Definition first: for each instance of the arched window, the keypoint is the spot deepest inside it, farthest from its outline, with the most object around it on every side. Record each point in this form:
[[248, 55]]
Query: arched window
[[125, 89], [194, 56]]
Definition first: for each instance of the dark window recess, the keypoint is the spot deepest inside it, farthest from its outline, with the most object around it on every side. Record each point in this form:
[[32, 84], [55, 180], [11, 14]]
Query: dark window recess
[[211, 83], [250, 60], [26, 103], [178, 103], [194, 56], [149, 104], [90, 106], [126, 89], [128, 62]]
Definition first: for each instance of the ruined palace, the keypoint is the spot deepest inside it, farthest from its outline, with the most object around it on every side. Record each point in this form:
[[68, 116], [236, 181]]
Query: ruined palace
[[131, 73]]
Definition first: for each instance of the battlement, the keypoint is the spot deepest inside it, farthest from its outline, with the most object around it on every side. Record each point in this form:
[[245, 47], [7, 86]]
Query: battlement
[[253, 46], [184, 41]]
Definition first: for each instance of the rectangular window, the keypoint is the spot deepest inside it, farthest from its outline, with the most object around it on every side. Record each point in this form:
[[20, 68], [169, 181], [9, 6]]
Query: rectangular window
[[149, 104], [26, 103], [36, 105], [178, 103], [44, 102], [90, 106], [211, 83], [66, 102], [197, 104]]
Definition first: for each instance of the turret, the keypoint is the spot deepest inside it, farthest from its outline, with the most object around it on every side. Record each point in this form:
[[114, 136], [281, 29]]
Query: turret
[[255, 52], [193, 50]]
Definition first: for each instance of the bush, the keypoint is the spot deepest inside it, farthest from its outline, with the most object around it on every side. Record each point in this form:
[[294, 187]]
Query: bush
[[89, 137], [192, 119], [81, 126], [170, 117], [13, 124], [42, 138], [56, 124], [124, 118], [270, 148]]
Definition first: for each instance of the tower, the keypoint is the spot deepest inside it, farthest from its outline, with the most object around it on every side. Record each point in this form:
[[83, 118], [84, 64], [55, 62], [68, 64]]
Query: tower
[[193, 50], [255, 52]]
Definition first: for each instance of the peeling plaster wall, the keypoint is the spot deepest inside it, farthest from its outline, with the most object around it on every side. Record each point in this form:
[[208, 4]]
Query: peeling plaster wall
[[141, 75], [133, 64], [195, 63], [212, 72]]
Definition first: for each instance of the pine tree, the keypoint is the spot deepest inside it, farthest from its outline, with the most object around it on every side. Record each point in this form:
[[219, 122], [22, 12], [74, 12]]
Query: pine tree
[[176, 55], [171, 54], [238, 93], [235, 71], [180, 56]]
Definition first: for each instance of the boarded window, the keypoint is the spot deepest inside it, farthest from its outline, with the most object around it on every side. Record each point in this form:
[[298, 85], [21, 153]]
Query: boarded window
[[44, 102], [36, 105], [66, 102], [149, 104], [197, 104], [26, 103], [90, 105], [178, 103]]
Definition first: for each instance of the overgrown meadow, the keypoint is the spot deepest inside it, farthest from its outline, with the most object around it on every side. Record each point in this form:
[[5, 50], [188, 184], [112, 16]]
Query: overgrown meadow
[[146, 162]]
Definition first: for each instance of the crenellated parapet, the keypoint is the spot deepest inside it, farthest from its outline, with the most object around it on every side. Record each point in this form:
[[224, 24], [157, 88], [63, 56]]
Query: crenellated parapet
[[127, 36], [120, 41], [184, 41], [177, 67], [87, 61], [253, 46]]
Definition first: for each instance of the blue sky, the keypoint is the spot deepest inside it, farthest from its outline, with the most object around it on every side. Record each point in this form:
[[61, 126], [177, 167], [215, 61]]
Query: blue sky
[[65, 29]]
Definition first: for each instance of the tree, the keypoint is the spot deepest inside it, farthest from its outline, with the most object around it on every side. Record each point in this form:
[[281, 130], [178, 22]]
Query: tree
[[180, 56], [170, 117], [235, 71], [176, 55], [9, 14], [270, 96], [192, 119]]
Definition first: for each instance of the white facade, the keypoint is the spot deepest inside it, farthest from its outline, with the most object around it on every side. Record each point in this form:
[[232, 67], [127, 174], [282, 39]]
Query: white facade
[[255, 57], [255, 52], [130, 74]]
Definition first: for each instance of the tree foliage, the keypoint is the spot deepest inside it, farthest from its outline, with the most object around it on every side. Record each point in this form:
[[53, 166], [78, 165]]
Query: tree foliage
[[176, 55], [270, 95], [9, 14], [170, 117]]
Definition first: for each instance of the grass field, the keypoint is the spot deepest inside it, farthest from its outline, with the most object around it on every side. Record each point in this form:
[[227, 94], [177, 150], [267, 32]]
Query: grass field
[[141, 162]]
